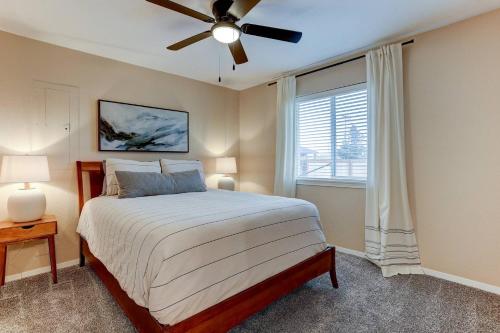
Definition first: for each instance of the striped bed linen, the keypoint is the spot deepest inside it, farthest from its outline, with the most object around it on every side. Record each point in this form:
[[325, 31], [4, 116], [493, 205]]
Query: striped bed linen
[[180, 254]]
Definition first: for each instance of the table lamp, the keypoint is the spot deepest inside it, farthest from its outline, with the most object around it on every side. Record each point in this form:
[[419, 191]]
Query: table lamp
[[28, 203], [226, 166]]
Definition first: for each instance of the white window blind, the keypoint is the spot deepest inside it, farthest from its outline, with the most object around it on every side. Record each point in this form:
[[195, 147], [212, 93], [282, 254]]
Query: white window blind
[[332, 135]]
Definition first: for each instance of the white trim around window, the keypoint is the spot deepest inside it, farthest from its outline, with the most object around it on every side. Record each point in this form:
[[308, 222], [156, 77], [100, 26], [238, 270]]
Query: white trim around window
[[348, 183], [327, 155]]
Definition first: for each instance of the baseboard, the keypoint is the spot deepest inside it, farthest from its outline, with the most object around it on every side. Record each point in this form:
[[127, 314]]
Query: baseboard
[[464, 281], [440, 275], [349, 251], [40, 270]]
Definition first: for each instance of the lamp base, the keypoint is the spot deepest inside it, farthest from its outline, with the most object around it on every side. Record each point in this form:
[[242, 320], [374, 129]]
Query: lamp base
[[226, 183], [26, 205]]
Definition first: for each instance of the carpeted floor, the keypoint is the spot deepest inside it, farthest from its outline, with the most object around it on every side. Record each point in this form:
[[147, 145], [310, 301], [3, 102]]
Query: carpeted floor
[[365, 302]]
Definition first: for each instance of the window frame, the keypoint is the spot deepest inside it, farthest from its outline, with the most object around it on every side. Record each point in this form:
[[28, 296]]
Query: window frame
[[333, 181]]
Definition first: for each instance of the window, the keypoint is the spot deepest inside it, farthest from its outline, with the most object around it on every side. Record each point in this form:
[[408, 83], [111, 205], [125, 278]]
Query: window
[[332, 135]]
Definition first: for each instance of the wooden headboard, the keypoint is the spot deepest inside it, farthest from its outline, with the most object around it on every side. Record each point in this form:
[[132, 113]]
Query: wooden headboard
[[96, 177]]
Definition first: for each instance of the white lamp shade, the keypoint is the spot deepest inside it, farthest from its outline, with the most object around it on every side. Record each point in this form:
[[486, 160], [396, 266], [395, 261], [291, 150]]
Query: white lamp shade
[[24, 169], [225, 165]]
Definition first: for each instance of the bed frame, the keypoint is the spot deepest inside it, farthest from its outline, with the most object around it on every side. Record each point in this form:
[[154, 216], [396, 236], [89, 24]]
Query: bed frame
[[220, 317]]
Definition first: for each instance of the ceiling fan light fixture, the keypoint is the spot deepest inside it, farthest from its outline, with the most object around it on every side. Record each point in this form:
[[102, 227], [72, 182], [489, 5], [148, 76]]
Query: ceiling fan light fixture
[[226, 32]]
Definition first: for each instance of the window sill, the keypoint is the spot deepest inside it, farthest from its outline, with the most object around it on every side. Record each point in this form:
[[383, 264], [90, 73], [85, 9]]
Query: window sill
[[332, 183]]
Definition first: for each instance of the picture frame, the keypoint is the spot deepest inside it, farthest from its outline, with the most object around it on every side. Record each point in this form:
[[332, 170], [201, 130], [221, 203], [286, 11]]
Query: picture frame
[[126, 127]]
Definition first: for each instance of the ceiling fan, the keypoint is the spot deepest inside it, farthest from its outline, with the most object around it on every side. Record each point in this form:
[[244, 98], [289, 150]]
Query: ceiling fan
[[224, 29]]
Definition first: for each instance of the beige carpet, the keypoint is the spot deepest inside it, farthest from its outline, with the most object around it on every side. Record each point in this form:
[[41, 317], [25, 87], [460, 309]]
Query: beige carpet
[[365, 302]]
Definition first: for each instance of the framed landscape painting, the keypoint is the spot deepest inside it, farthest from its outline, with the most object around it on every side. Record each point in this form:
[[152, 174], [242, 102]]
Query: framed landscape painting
[[138, 128]]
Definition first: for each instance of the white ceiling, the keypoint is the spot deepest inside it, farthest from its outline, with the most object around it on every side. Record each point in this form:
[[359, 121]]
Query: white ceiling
[[137, 32]]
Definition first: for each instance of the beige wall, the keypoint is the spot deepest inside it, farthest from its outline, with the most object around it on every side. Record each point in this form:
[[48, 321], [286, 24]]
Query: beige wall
[[25, 65], [453, 121], [257, 139], [452, 80]]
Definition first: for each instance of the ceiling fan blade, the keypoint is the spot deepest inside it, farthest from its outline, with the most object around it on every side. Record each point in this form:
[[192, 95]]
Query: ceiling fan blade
[[188, 41], [238, 52], [183, 10], [241, 7], [273, 33]]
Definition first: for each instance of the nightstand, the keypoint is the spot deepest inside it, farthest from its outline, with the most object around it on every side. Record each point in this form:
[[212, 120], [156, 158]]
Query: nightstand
[[14, 232]]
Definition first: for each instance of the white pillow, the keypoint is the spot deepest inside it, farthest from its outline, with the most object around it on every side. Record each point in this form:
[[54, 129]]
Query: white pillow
[[114, 164], [169, 166]]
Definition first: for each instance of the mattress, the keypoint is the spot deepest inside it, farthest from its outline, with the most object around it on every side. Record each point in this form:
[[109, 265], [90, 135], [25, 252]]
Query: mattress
[[180, 254]]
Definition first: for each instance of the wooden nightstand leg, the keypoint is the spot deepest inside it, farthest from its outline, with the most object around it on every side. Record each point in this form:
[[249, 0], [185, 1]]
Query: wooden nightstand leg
[[82, 257], [52, 253], [3, 262]]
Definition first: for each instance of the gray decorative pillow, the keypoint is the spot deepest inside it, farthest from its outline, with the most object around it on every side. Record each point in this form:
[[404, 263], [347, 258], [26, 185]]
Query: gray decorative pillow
[[141, 184], [188, 181]]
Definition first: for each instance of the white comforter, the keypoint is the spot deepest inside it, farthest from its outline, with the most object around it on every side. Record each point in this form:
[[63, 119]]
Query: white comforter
[[180, 254]]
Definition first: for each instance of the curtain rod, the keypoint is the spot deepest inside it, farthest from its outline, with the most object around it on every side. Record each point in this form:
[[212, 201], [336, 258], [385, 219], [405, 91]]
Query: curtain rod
[[337, 64]]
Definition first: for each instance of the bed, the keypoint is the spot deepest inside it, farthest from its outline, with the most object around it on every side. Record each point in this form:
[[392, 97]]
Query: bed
[[198, 262]]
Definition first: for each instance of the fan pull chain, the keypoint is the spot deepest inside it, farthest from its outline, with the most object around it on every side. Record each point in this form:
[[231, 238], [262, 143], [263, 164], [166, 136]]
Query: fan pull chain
[[232, 52], [220, 77]]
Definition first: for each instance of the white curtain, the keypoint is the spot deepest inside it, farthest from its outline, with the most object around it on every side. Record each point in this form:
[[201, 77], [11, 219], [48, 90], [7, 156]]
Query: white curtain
[[390, 240], [284, 177]]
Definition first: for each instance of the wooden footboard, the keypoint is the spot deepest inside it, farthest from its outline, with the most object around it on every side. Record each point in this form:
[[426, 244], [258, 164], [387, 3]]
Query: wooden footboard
[[228, 313]]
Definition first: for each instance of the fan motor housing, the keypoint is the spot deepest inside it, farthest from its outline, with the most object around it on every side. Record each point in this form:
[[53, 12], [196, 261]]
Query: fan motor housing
[[220, 10]]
